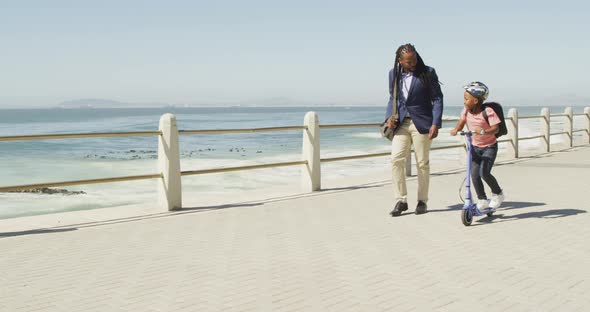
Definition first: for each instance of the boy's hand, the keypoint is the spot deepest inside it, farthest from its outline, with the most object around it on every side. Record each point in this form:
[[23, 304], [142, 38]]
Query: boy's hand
[[454, 132]]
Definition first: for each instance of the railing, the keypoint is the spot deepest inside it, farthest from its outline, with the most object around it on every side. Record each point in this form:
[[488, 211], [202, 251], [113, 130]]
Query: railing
[[77, 135], [169, 190]]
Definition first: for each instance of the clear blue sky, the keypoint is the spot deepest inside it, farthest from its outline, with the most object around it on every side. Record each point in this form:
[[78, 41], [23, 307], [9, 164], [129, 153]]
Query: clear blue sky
[[288, 52]]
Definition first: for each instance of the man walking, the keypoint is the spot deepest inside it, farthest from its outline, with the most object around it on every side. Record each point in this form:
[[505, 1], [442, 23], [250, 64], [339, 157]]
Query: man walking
[[415, 90]]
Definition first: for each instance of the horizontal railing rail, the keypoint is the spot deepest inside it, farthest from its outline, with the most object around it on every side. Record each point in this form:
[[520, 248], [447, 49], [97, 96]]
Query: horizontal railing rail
[[239, 168], [77, 135], [169, 158], [530, 117], [332, 159], [532, 137], [334, 126], [252, 130], [25, 187]]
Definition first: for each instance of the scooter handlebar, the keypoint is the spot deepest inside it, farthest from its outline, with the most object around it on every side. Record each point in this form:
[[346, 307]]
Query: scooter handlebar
[[466, 132]]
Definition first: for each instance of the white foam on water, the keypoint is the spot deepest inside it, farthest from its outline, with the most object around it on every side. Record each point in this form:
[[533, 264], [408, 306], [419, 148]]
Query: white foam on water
[[371, 135]]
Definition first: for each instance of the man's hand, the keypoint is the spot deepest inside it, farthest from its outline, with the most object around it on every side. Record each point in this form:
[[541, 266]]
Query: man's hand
[[433, 133], [454, 132], [390, 123]]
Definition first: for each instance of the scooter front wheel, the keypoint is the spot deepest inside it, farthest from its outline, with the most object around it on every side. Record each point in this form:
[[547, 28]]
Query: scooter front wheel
[[466, 217]]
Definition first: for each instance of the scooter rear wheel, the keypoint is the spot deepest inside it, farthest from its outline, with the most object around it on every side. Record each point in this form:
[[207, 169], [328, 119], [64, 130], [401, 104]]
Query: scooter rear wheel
[[466, 217]]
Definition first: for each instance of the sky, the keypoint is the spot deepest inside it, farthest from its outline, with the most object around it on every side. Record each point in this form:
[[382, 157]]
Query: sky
[[287, 52]]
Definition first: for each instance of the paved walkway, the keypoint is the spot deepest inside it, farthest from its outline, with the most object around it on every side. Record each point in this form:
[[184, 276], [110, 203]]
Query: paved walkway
[[336, 250]]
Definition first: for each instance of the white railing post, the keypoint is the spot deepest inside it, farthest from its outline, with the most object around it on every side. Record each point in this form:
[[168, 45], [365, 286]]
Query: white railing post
[[587, 112], [512, 126], [546, 128], [311, 176], [169, 188], [409, 164], [569, 125]]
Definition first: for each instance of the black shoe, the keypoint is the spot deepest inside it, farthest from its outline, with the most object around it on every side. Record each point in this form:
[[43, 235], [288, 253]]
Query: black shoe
[[399, 208], [421, 207]]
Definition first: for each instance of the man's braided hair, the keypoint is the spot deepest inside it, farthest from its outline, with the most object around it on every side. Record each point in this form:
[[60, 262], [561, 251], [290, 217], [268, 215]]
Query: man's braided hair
[[421, 69]]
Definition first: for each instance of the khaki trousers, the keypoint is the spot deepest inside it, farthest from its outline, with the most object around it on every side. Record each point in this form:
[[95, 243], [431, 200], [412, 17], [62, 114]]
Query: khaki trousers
[[405, 136]]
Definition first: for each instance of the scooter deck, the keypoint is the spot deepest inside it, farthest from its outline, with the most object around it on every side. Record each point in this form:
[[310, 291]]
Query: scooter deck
[[485, 211], [488, 211]]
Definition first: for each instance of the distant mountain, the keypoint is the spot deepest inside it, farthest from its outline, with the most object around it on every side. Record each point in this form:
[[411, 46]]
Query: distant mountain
[[260, 102], [92, 103], [106, 103]]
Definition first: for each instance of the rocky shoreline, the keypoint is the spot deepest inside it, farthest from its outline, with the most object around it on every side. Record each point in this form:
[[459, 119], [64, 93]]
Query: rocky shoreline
[[50, 191], [153, 154]]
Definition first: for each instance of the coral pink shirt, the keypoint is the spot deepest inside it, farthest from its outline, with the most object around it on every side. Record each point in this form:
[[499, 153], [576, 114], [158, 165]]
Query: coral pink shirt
[[476, 121]]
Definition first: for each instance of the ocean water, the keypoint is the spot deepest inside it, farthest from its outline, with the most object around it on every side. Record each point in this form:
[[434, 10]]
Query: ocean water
[[31, 162]]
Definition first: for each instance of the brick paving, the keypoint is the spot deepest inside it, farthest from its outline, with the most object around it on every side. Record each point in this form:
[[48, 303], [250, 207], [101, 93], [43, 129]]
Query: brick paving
[[335, 250]]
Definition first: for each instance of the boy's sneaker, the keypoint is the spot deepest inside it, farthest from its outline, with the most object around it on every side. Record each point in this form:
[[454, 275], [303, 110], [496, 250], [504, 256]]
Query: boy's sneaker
[[482, 204], [497, 200]]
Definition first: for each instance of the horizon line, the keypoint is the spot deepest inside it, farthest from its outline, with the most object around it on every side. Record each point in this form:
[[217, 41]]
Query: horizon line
[[244, 106]]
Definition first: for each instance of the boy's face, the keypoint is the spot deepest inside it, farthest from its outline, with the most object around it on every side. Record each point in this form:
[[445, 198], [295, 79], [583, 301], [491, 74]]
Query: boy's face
[[469, 100], [408, 61]]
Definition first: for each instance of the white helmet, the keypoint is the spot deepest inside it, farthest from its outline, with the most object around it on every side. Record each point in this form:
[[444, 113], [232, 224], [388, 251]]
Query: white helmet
[[478, 89]]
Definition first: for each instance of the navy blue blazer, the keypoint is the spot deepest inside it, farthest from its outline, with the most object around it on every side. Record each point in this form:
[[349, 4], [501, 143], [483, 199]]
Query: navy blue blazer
[[424, 102]]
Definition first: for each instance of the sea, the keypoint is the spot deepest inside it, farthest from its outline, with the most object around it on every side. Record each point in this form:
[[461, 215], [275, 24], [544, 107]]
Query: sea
[[41, 161]]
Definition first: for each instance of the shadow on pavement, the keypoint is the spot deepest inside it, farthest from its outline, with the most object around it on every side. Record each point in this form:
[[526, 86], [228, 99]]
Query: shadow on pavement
[[216, 207], [546, 214], [351, 188], [508, 206], [505, 206], [31, 232], [191, 210], [258, 202]]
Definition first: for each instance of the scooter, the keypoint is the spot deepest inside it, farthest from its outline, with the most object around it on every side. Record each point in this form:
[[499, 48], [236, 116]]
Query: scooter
[[469, 207]]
